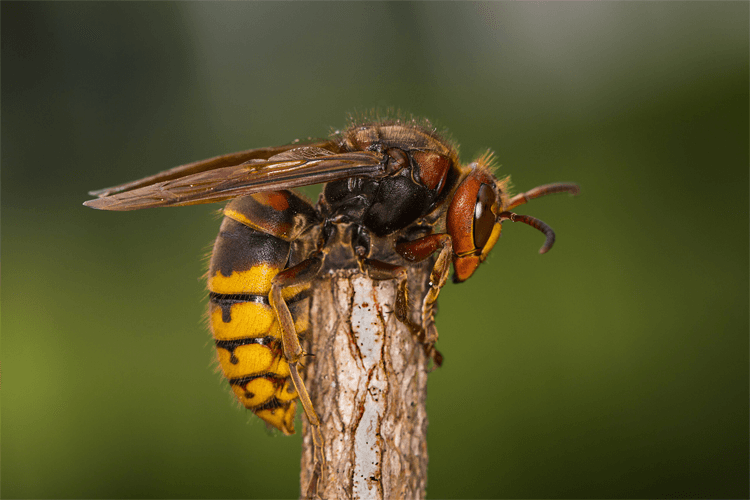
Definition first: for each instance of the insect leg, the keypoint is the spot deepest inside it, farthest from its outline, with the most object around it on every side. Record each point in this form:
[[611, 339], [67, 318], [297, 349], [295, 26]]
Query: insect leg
[[379, 270], [298, 275], [420, 249], [425, 332]]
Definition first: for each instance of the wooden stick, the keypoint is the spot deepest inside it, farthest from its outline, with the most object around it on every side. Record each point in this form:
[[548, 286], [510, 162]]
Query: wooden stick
[[368, 384]]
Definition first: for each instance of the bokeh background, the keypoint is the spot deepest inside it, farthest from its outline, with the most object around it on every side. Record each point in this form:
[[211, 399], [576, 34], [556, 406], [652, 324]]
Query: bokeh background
[[614, 366]]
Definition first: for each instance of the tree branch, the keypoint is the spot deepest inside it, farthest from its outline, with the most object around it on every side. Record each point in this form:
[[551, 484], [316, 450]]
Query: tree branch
[[368, 383]]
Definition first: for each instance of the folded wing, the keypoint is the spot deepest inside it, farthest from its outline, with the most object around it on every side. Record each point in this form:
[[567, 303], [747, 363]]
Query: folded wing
[[212, 180]]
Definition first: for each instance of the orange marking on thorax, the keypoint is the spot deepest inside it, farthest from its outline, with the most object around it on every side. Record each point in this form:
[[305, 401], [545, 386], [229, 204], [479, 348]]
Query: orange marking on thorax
[[275, 200]]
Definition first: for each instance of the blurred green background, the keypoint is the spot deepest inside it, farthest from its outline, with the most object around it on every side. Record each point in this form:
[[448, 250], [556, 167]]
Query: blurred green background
[[614, 366]]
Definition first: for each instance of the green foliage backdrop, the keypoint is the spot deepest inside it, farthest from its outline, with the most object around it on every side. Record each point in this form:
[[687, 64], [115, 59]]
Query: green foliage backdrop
[[614, 366]]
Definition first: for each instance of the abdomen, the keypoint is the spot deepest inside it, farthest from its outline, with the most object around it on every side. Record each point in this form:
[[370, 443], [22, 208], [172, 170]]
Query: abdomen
[[253, 246]]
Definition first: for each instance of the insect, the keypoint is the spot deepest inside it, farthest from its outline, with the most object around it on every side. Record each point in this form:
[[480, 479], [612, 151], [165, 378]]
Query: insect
[[395, 194]]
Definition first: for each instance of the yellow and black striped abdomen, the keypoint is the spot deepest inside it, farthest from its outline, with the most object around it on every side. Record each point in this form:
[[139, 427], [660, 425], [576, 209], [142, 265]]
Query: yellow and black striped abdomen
[[253, 246]]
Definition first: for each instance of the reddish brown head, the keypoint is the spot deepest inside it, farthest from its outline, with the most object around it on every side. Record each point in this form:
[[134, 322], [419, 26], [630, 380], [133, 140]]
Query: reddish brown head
[[480, 205], [472, 218]]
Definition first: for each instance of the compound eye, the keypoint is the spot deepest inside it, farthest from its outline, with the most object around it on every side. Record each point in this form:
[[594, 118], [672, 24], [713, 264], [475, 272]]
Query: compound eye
[[484, 219]]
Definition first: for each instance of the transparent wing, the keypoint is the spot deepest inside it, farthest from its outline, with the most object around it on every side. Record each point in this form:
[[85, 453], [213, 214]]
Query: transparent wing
[[205, 182]]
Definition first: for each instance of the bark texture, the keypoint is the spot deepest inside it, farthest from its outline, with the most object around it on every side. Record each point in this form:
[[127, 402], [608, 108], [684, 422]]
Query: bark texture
[[368, 383]]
